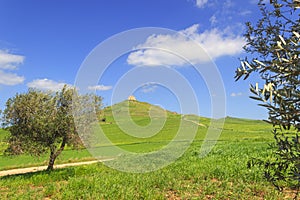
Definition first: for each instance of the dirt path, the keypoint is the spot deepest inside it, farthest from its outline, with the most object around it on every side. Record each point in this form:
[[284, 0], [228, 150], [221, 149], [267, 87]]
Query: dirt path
[[199, 124], [41, 168]]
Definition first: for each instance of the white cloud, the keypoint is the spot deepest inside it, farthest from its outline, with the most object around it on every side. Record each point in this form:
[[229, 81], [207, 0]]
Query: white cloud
[[161, 50], [201, 3], [10, 78], [236, 94], [100, 87], [10, 61], [46, 84]]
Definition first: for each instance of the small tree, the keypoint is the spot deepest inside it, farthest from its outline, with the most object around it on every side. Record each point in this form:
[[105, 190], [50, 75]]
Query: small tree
[[274, 46], [41, 122]]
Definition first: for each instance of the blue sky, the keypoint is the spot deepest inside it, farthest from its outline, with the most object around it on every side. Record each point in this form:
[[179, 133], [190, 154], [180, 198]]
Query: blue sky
[[43, 44]]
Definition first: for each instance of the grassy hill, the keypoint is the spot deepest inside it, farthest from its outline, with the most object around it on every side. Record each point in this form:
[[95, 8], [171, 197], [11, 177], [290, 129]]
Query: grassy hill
[[139, 111], [222, 174], [138, 114]]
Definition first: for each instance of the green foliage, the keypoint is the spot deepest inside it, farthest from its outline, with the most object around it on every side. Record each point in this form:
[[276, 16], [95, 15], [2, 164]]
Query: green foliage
[[41, 122], [274, 44]]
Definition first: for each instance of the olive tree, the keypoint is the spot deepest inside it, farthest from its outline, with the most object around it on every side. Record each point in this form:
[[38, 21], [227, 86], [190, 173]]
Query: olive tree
[[41, 122], [273, 53]]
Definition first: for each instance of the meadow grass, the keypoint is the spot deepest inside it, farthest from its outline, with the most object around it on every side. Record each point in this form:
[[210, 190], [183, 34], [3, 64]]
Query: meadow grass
[[222, 174]]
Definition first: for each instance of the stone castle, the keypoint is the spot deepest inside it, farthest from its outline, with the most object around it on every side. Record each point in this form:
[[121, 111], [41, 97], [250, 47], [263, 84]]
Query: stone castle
[[131, 98]]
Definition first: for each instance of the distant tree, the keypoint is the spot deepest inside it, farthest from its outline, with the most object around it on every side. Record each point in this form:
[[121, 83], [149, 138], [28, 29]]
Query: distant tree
[[41, 122], [273, 46]]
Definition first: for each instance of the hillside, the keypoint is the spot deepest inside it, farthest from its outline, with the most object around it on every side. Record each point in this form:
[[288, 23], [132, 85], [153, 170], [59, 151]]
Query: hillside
[[139, 114], [139, 126], [147, 135], [139, 111]]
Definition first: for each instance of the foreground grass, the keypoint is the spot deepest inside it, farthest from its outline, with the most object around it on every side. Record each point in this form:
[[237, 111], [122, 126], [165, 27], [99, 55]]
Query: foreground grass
[[221, 175]]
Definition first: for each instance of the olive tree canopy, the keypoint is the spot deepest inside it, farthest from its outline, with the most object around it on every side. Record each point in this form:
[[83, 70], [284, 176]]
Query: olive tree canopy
[[273, 47], [42, 122]]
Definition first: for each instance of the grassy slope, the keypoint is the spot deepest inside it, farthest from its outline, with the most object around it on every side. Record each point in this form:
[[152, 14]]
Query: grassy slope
[[221, 175], [139, 113]]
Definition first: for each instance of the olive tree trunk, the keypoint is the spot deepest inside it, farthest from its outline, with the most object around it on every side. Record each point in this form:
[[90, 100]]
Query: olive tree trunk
[[54, 154]]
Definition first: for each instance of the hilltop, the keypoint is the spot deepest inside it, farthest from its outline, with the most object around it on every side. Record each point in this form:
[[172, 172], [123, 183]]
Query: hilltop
[[140, 112]]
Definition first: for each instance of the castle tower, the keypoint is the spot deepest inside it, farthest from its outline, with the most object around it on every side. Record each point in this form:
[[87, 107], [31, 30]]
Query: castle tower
[[131, 98]]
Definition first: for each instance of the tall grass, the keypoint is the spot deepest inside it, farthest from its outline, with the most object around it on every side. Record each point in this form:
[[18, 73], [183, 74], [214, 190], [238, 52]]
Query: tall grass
[[221, 175]]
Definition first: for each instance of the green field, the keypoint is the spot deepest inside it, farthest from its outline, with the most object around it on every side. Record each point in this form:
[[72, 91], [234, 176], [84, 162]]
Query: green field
[[222, 174]]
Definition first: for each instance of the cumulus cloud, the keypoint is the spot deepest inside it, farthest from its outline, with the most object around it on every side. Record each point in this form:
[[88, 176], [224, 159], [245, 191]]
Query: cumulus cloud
[[10, 62], [172, 50], [46, 84], [236, 94], [100, 87], [10, 78]]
